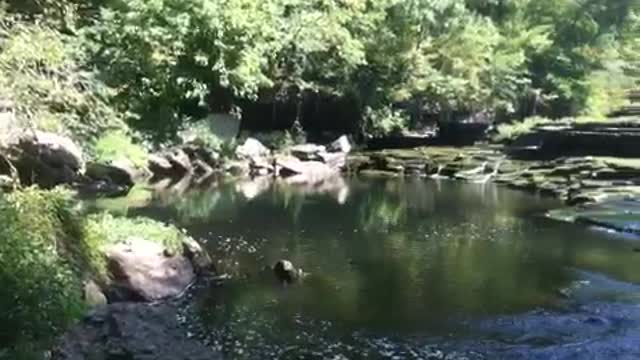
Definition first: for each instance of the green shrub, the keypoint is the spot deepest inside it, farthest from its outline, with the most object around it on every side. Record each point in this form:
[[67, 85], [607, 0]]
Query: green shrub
[[115, 145], [200, 132], [511, 131], [384, 121], [42, 255], [42, 71]]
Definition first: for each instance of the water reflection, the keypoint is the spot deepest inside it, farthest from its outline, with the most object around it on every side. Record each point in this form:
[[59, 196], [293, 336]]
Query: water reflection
[[387, 257]]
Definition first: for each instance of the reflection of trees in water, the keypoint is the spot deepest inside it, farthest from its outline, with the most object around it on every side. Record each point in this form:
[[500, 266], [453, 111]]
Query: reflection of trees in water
[[401, 254]]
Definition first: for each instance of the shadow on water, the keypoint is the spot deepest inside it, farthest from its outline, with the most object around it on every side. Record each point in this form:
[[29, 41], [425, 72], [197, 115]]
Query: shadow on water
[[402, 268]]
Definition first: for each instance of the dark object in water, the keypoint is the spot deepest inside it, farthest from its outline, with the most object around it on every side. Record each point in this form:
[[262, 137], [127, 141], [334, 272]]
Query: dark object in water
[[636, 250], [285, 272]]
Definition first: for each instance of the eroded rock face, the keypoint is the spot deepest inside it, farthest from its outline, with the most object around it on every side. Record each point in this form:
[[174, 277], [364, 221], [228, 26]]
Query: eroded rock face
[[131, 331], [144, 271]]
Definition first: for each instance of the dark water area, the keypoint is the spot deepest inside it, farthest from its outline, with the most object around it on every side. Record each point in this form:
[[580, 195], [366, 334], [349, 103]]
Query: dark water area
[[406, 269]]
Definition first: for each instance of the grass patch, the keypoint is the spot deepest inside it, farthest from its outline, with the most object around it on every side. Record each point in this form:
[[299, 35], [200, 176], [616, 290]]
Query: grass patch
[[115, 145], [108, 229]]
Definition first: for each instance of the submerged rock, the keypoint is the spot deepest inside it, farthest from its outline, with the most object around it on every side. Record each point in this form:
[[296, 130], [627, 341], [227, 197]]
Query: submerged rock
[[286, 273], [143, 271], [199, 257], [131, 331]]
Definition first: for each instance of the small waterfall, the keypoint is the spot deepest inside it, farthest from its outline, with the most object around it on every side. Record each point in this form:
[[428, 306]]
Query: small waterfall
[[494, 173], [437, 174], [496, 168], [477, 171]]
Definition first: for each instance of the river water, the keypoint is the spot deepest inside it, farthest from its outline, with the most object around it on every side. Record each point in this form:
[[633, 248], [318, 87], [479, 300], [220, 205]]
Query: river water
[[405, 269]]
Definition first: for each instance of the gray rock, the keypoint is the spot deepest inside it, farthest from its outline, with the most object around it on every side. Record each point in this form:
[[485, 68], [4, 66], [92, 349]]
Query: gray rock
[[341, 145], [131, 331], [159, 165], [55, 150], [252, 148], [238, 168], [117, 175], [285, 271], [307, 152], [334, 160], [303, 171], [261, 166], [180, 161], [141, 271], [198, 256], [44, 158], [92, 294]]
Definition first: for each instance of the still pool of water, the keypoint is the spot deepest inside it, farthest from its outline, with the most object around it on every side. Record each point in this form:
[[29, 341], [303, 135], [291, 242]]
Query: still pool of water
[[398, 268]]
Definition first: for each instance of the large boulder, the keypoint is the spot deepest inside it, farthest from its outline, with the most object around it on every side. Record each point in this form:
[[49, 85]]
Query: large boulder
[[144, 271], [199, 257], [132, 331], [43, 158], [251, 149], [55, 150]]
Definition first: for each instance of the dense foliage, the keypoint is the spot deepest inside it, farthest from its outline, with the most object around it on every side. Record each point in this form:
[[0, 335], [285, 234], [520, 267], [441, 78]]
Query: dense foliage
[[169, 61], [41, 256]]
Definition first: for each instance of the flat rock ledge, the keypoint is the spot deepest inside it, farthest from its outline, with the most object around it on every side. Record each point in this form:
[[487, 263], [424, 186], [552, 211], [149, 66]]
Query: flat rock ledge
[[131, 331]]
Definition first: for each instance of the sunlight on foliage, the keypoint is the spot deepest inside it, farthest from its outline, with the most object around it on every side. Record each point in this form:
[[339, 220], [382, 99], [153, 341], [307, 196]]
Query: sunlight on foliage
[[116, 145]]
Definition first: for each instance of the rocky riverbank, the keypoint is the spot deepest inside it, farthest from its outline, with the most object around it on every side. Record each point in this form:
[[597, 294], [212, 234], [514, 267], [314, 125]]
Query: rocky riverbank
[[600, 187]]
